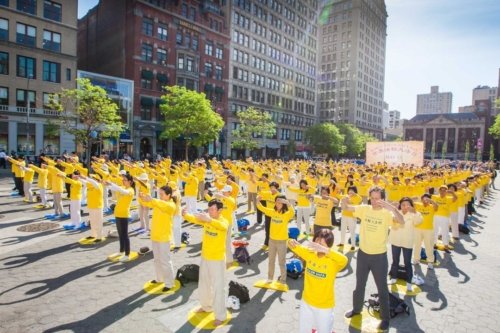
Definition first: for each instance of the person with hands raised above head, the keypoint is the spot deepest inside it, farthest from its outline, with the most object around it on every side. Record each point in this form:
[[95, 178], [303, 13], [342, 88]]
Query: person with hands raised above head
[[376, 219], [322, 266], [95, 205], [212, 278]]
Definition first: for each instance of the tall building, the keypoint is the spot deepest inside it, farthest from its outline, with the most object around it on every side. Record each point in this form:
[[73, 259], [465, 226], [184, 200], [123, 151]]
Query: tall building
[[482, 93], [352, 36], [157, 43], [435, 102], [395, 119], [273, 67], [37, 58]]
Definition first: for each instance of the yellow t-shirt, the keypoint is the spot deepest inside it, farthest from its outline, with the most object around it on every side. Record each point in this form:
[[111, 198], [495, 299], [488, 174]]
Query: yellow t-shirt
[[427, 213], [57, 182], [443, 205], [374, 228], [302, 196], [191, 188], [355, 200], [94, 196], [214, 237], [123, 202], [42, 176], [324, 208], [228, 208], [162, 221], [29, 174], [75, 191], [393, 192], [320, 274], [278, 229]]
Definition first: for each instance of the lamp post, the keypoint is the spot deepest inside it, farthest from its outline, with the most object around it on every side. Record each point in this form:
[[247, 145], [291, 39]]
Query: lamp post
[[28, 113]]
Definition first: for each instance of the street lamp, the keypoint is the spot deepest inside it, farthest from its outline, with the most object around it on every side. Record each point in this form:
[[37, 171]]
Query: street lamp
[[28, 113]]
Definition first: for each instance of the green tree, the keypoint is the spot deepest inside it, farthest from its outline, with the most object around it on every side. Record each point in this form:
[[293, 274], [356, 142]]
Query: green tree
[[252, 121], [433, 150], [86, 111], [189, 114], [291, 148], [443, 150], [467, 150], [326, 138], [353, 139]]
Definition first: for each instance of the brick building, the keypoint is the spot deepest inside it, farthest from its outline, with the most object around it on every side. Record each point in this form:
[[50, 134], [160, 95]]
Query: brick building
[[157, 43]]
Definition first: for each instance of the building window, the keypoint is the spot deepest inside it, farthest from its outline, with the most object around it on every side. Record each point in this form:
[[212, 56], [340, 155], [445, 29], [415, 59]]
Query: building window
[[161, 55], [208, 70], [219, 53], [25, 138], [184, 10], [194, 44], [162, 81], [209, 48], [219, 93], [180, 62], [147, 26], [52, 11], [51, 41], [218, 72], [190, 64], [146, 108], [26, 67], [147, 79], [51, 71], [4, 29], [147, 53], [178, 37], [4, 3], [22, 98], [26, 34], [162, 32], [4, 96], [50, 140], [4, 63], [27, 6], [68, 74], [192, 13]]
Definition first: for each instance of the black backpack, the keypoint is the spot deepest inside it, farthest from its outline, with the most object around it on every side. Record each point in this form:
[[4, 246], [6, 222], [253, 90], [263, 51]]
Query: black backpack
[[188, 273], [239, 291], [402, 274], [241, 255], [463, 229], [396, 305], [185, 237]]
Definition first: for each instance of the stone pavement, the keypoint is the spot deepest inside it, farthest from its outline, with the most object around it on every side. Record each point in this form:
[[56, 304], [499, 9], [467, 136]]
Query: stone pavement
[[50, 283]]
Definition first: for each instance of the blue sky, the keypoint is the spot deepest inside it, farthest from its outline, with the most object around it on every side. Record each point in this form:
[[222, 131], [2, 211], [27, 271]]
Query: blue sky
[[454, 44]]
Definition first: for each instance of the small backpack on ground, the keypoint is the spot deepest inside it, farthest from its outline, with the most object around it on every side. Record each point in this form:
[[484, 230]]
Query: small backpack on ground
[[241, 255], [239, 291], [356, 239], [185, 238], [401, 274], [188, 273], [294, 268], [293, 233], [396, 305], [243, 225]]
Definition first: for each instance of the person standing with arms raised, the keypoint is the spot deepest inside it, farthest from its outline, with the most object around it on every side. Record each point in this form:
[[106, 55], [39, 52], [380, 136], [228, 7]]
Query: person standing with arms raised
[[372, 255]]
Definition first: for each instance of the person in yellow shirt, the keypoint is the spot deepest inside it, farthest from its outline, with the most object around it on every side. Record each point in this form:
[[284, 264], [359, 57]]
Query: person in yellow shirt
[[279, 216], [161, 234], [348, 220], [393, 190], [103, 171], [267, 197], [143, 187], [304, 191], [424, 232], [177, 222], [324, 205], [251, 183], [95, 205], [57, 189], [318, 296], [17, 164], [190, 191], [125, 195], [372, 255], [29, 174], [454, 212], [444, 200], [75, 197], [42, 181], [212, 282]]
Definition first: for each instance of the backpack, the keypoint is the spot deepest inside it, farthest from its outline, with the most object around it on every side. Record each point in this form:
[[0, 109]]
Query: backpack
[[294, 268], [401, 274], [239, 291], [356, 239], [293, 233], [243, 224], [241, 255], [396, 305], [463, 229], [185, 237], [188, 273]]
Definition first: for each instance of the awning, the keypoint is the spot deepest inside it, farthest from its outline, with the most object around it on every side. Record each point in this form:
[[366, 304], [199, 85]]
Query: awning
[[147, 101], [163, 78], [219, 90], [148, 75], [160, 102], [208, 87]]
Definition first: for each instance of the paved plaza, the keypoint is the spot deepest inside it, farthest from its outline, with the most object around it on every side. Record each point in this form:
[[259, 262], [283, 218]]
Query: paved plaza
[[51, 283]]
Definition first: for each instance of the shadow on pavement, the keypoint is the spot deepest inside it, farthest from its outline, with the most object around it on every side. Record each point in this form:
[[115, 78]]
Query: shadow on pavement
[[435, 295], [19, 239], [28, 258]]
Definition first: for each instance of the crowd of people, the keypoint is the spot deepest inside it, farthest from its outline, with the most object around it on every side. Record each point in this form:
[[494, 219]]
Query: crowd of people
[[405, 206]]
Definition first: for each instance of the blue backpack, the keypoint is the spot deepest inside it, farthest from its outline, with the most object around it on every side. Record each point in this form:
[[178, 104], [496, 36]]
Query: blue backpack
[[293, 233], [294, 268], [243, 224]]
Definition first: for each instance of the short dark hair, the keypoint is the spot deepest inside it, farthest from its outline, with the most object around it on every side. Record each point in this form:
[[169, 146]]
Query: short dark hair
[[325, 188], [407, 199], [377, 189], [216, 202], [353, 188], [275, 185], [326, 235], [426, 195]]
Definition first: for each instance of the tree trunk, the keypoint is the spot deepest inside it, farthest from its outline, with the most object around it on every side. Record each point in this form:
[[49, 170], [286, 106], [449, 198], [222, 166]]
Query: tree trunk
[[187, 151]]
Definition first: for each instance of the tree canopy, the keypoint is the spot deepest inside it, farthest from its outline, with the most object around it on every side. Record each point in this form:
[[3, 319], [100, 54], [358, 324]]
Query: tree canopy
[[326, 138], [189, 114], [252, 121], [494, 130]]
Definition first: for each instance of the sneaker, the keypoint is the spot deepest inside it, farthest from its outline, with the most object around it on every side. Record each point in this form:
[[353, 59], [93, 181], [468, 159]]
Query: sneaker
[[350, 314], [165, 289], [430, 266], [68, 227], [89, 237], [269, 281], [409, 287], [384, 325], [392, 281], [124, 259], [154, 281], [341, 245]]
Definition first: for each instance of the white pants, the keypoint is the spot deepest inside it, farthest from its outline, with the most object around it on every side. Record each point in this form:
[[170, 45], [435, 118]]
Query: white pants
[[454, 224], [105, 197], [311, 317], [163, 263], [427, 236], [43, 196], [348, 223], [235, 223], [441, 226], [461, 215], [74, 209], [190, 204], [84, 193], [478, 195], [27, 191], [96, 220], [144, 216], [303, 213], [212, 287], [177, 230]]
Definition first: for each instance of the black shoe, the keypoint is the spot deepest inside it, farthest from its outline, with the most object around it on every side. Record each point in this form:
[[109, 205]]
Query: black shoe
[[97, 240], [165, 289], [384, 325], [154, 282], [175, 249], [350, 314], [353, 248]]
